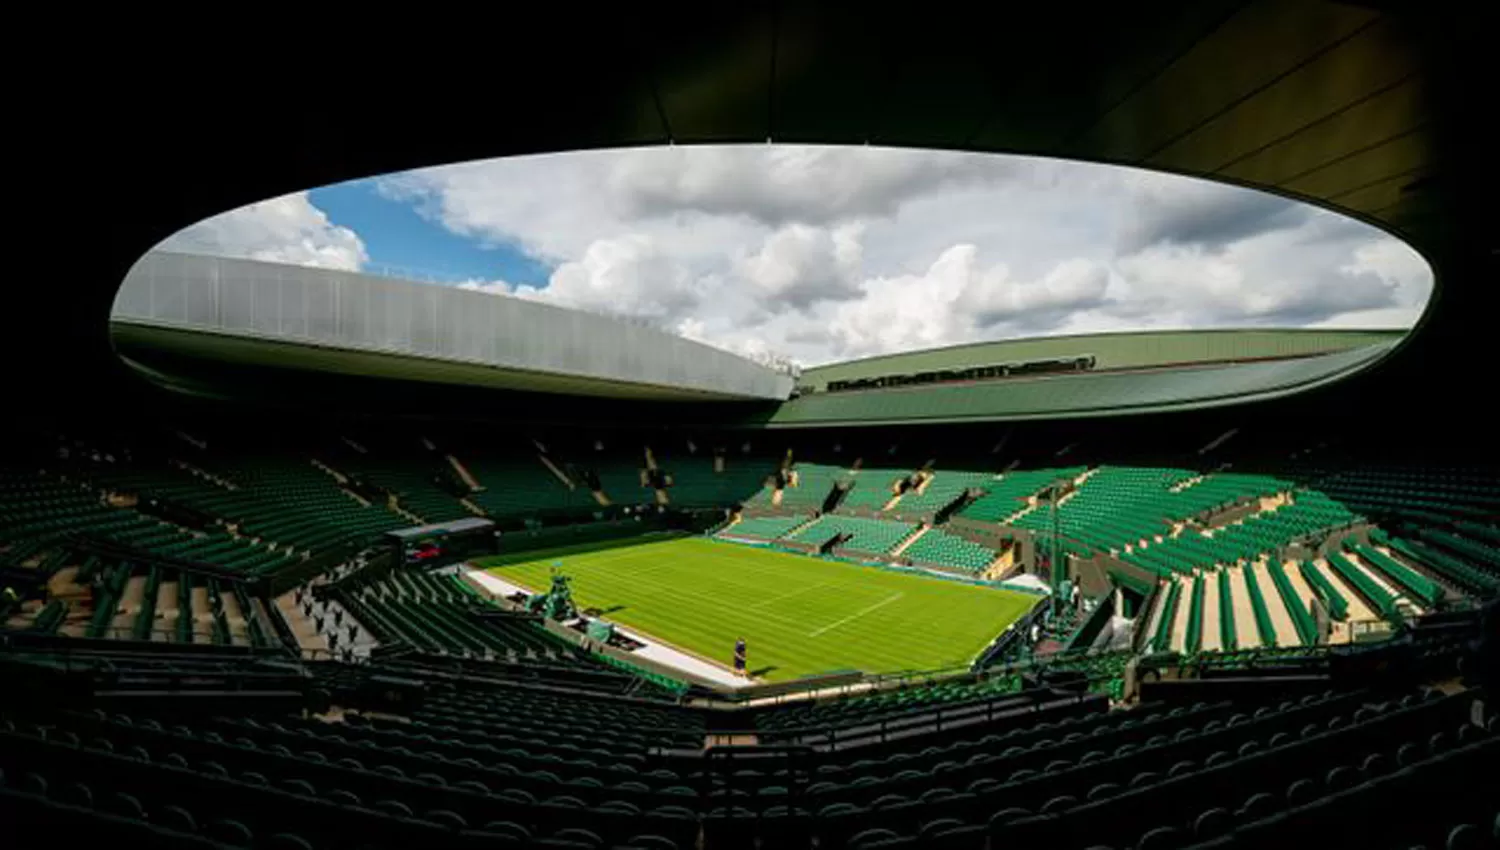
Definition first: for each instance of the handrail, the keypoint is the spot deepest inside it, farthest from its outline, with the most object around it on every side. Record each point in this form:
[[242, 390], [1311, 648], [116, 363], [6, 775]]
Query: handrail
[[115, 549]]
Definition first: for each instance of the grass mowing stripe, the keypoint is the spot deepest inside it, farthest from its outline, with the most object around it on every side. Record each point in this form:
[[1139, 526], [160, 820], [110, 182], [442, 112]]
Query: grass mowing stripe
[[797, 592], [528, 556], [700, 595], [855, 616]]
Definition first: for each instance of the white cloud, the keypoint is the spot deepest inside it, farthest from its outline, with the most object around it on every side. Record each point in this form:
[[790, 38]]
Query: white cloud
[[288, 229], [957, 299], [1273, 278], [824, 253], [629, 275], [1397, 264], [494, 287], [799, 265], [777, 185]]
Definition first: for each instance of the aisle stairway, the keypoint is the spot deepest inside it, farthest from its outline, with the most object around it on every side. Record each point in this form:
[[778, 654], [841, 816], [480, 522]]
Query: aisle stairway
[[905, 544]]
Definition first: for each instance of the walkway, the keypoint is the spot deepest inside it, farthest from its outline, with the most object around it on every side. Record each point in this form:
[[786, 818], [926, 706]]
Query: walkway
[[653, 650]]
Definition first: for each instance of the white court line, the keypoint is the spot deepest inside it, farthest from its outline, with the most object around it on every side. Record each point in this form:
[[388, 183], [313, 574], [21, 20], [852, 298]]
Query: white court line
[[793, 593], [858, 614]]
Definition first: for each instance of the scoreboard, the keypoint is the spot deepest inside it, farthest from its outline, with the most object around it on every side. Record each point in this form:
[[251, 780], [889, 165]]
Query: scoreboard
[[443, 543]]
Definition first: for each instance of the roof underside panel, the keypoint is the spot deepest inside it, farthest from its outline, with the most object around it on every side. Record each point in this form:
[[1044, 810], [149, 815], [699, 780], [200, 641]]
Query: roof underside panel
[[1074, 395], [346, 321], [1111, 351]]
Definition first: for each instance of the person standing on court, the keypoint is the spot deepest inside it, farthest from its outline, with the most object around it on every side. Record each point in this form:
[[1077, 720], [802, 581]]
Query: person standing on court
[[739, 657]]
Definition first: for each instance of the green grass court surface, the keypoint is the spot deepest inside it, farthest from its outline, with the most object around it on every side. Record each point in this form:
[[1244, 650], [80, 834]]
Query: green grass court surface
[[799, 615]]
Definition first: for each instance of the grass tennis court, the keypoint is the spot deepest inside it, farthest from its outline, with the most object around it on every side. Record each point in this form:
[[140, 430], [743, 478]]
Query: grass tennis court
[[799, 615]]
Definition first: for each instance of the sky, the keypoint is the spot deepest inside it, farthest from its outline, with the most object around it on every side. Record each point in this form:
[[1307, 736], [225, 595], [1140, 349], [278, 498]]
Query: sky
[[821, 254]]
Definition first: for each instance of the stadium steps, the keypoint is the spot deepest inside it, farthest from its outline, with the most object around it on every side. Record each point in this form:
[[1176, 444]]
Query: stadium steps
[[1187, 483], [1358, 608], [1401, 603], [239, 626], [561, 476], [1182, 615], [797, 529], [132, 591], [121, 618], [1016, 517], [1211, 636], [1300, 588], [1228, 628], [1246, 633], [260, 614], [1293, 604], [395, 505], [1381, 603], [166, 613], [74, 621], [1375, 576], [53, 617], [1171, 600], [64, 584], [145, 616], [925, 478], [1461, 572], [202, 609], [910, 539], [363, 502], [1280, 607], [363, 640], [1459, 582], [463, 473], [299, 624], [337, 476], [196, 442], [1001, 568], [1333, 599], [1257, 588], [1282, 624], [1153, 617], [203, 474], [1412, 583], [771, 527], [1194, 641]]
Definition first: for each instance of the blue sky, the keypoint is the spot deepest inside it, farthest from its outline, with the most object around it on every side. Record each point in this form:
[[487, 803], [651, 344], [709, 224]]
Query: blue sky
[[821, 254], [396, 234]]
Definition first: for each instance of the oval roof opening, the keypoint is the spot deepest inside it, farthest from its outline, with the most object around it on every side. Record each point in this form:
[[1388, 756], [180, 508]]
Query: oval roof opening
[[803, 257]]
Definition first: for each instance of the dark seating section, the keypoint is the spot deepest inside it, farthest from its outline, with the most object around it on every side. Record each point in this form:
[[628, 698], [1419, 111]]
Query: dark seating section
[[266, 502], [504, 766], [441, 614], [468, 768], [155, 695], [1441, 793], [1158, 780], [97, 595], [38, 507], [879, 706], [405, 469]]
